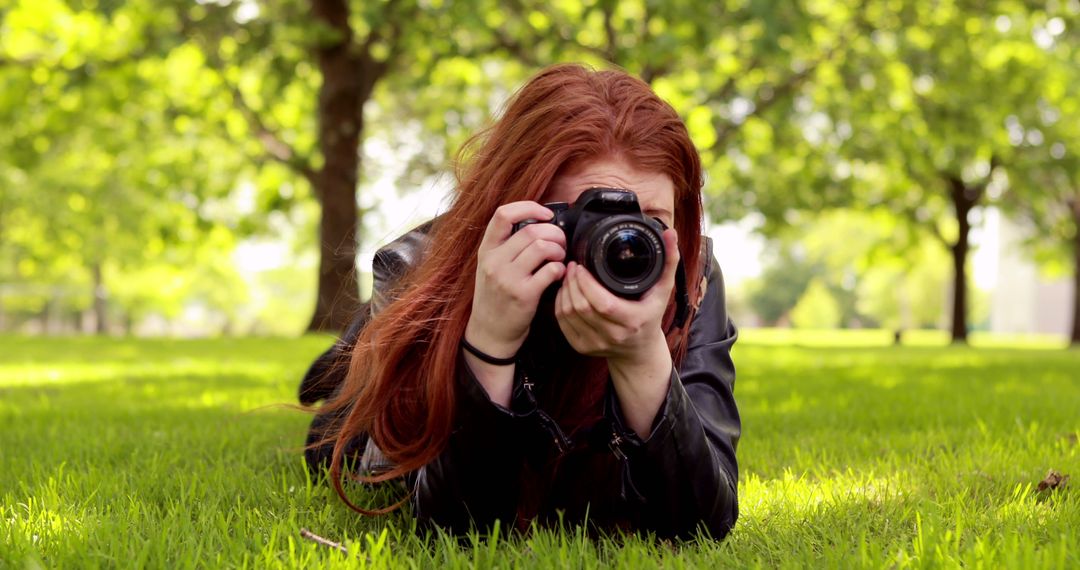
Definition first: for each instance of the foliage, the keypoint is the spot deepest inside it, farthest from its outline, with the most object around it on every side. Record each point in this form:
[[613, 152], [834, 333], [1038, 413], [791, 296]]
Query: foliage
[[140, 139], [909, 291], [874, 271], [816, 308], [117, 192], [173, 453], [781, 284]]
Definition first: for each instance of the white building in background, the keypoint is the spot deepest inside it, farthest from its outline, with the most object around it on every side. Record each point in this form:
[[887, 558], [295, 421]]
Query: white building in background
[[1024, 301]]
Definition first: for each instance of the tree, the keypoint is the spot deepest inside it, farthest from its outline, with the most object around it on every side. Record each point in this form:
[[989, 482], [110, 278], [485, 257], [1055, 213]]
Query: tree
[[952, 80], [1043, 186], [776, 292], [117, 188], [816, 309], [911, 118]]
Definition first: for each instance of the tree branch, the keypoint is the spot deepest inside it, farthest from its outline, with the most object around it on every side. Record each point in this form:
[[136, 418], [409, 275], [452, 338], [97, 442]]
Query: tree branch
[[649, 72], [6, 61], [275, 147], [728, 88], [305, 533], [773, 94], [372, 69], [515, 48], [520, 50], [608, 10]]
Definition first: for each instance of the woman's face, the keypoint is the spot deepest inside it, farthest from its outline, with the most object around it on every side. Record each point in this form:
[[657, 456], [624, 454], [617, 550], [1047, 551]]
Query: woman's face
[[655, 191]]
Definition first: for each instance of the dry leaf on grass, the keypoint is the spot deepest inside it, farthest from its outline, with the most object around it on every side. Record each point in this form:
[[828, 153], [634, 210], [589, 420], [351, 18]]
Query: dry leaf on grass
[[1053, 480]]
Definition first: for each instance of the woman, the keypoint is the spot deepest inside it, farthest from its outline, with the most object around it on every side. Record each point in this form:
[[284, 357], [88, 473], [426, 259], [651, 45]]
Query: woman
[[492, 400]]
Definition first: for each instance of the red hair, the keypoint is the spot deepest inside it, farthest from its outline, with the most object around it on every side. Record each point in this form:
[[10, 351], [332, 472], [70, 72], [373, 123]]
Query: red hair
[[400, 385]]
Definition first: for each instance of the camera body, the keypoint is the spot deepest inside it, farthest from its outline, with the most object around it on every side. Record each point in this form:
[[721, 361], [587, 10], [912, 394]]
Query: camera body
[[608, 235]]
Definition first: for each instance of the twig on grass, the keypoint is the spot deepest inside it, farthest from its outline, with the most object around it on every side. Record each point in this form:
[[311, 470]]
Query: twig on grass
[[305, 533]]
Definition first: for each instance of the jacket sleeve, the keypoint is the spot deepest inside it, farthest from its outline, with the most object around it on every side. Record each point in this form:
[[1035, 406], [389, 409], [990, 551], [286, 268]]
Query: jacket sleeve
[[322, 381], [684, 474], [327, 373], [475, 480]]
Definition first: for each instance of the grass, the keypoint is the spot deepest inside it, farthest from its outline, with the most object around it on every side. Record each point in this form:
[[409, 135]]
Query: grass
[[156, 453]]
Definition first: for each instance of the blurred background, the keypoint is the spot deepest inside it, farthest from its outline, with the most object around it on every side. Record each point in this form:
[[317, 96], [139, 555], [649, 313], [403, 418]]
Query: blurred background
[[229, 167]]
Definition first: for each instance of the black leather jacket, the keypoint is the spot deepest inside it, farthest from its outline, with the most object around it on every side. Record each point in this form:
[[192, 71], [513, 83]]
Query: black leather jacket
[[682, 477]]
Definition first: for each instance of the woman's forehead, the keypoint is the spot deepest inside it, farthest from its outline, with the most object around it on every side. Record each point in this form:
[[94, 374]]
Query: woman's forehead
[[655, 190]]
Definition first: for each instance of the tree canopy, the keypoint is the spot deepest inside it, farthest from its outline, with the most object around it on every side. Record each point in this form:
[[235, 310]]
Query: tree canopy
[[141, 141]]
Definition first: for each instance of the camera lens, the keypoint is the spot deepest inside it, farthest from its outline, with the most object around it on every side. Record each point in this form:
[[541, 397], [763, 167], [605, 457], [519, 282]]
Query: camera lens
[[629, 256], [625, 253]]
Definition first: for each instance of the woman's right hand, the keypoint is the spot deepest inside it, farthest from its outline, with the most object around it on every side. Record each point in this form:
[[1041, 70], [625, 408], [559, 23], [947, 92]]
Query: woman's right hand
[[511, 274]]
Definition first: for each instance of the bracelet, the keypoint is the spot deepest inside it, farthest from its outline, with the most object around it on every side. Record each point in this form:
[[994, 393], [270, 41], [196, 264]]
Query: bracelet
[[485, 356]]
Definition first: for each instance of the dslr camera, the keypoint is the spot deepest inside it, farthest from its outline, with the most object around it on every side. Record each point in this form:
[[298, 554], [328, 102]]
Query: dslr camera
[[608, 235]]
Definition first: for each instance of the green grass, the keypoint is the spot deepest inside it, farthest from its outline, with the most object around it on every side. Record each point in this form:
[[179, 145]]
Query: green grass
[[172, 454]]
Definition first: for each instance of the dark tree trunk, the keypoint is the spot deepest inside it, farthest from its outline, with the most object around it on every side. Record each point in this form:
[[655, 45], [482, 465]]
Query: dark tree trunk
[[100, 306], [1074, 338], [340, 100], [51, 317], [964, 198]]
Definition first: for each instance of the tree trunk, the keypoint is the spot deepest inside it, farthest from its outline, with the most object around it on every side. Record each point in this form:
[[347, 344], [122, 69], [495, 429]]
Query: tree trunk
[[959, 306], [964, 198], [100, 307], [51, 317], [1074, 338], [340, 100]]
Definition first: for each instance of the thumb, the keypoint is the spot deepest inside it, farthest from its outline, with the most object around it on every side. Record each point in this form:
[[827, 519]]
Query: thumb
[[671, 265]]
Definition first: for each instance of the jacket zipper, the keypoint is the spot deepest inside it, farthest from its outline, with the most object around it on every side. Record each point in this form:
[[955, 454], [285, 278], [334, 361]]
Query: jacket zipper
[[616, 446], [562, 443]]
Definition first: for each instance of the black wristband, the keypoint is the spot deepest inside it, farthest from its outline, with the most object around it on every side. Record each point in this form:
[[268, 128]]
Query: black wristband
[[487, 357]]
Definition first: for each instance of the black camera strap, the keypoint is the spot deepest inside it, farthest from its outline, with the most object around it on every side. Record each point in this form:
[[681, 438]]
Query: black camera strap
[[682, 298]]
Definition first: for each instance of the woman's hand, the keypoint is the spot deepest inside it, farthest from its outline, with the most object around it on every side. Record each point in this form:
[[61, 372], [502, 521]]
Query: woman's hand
[[511, 274], [596, 322], [628, 333]]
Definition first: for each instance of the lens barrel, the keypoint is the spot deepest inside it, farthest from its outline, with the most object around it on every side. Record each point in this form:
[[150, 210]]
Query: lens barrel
[[625, 253]]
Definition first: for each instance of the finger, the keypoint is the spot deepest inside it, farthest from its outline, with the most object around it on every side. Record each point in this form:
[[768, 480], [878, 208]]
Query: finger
[[535, 254], [518, 243], [573, 335], [563, 306], [666, 283], [504, 254], [507, 252], [549, 273], [578, 301], [603, 302], [502, 222], [564, 314]]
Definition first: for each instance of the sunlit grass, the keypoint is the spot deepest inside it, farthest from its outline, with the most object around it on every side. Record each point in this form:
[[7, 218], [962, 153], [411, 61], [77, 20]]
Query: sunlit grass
[[855, 453], [880, 337]]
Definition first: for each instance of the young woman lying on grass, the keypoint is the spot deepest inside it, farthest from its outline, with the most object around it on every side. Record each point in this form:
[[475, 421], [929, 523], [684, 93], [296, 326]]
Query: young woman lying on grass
[[494, 400]]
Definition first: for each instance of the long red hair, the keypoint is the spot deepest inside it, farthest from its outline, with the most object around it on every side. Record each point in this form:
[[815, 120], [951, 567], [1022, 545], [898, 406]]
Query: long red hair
[[400, 385]]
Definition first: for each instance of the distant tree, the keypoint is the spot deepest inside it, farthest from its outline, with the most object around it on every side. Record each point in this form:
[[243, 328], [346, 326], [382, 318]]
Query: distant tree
[[1043, 183], [911, 118], [98, 180], [931, 103], [817, 308], [780, 286]]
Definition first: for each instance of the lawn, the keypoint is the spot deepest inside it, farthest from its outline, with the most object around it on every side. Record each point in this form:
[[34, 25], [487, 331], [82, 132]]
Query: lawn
[[160, 453]]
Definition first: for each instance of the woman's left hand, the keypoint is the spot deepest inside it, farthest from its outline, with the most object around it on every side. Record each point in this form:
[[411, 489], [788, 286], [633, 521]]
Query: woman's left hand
[[596, 322], [628, 333]]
